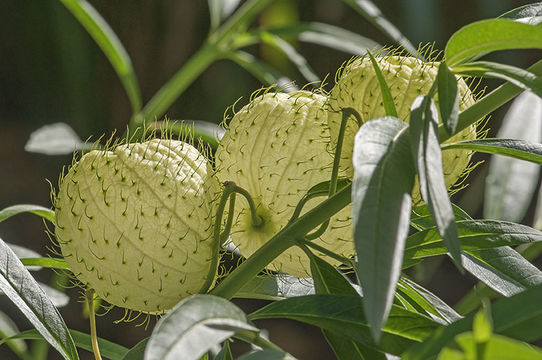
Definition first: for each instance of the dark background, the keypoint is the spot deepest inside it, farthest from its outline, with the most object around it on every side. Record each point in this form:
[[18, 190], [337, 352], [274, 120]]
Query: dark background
[[51, 71]]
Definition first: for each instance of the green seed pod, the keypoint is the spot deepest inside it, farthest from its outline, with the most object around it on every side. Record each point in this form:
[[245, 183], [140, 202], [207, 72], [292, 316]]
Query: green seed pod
[[277, 148], [407, 78], [135, 223]]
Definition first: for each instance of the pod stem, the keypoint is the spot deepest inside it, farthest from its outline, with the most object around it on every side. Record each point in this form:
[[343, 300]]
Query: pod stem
[[89, 293]]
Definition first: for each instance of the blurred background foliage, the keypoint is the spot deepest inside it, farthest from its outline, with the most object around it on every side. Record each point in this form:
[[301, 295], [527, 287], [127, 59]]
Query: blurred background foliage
[[52, 71]]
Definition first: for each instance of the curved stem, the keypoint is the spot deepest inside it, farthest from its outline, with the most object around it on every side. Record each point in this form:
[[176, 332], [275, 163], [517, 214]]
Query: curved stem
[[304, 200], [257, 220], [89, 293], [227, 228], [283, 240]]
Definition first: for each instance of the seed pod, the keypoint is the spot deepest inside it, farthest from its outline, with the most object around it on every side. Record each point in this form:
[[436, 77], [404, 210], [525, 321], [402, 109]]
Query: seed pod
[[407, 78], [135, 223], [277, 148]]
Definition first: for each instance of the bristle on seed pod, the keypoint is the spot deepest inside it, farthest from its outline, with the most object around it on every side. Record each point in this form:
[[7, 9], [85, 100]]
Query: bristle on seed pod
[[135, 223]]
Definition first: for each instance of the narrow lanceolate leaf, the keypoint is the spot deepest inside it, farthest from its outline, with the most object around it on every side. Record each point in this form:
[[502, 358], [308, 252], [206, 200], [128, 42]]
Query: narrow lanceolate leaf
[[110, 44], [8, 328], [421, 216], [448, 97], [373, 14], [21, 288], [503, 270], [425, 148], [465, 346], [473, 235], [328, 280], [51, 263], [383, 181], [427, 301], [528, 14], [477, 39], [225, 353], [387, 98], [194, 326], [10, 211], [327, 35], [511, 183], [54, 139], [518, 317], [522, 78], [293, 55], [262, 71], [344, 315], [517, 149]]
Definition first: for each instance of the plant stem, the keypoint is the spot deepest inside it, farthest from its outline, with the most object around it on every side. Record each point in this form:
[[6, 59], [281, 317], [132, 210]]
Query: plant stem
[[171, 90], [257, 221], [280, 242], [256, 339], [92, 316], [344, 260]]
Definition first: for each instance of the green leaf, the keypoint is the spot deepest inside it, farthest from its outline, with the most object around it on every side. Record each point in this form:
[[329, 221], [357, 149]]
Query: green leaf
[[373, 14], [426, 153], [267, 354], [54, 139], [387, 98], [10, 211], [326, 35], [21, 288], [528, 14], [517, 149], [496, 348], [421, 217], [52, 263], [344, 315], [448, 97], [503, 270], [220, 10], [108, 349], [511, 183], [383, 180], [194, 326], [477, 39], [473, 235], [261, 70], [137, 352], [328, 280], [426, 300], [295, 57], [519, 317], [276, 287], [519, 77], [482, 325], [110, 44]]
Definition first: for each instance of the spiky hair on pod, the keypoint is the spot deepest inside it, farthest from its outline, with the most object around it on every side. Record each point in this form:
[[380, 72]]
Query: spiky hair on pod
[[407, 77], [277, 147], [134, 222]]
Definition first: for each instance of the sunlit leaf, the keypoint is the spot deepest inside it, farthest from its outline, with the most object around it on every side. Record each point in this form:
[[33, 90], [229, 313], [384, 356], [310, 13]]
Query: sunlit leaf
[[448, 97], [277, 287], [10, 211], [194, 326], [54, 139], [517, 149], [528, 14], [426, 153], [21, 288], [383, 180], [477, 39]]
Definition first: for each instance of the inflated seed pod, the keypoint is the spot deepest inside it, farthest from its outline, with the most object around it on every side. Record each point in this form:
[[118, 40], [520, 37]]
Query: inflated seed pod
[[277, 148], [135, 223], [407, 78]]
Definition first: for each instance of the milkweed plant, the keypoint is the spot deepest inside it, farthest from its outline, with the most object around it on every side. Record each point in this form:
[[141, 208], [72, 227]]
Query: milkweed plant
[[327, 194]]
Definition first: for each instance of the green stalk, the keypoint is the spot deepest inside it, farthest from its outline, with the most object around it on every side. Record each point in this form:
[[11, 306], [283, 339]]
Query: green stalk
[[280, 242], [93, 335], [163, 99], [256, 339]]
